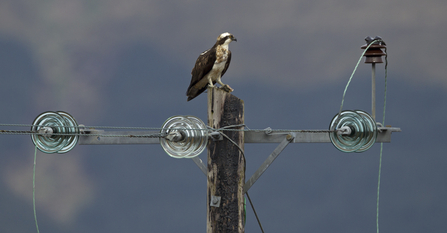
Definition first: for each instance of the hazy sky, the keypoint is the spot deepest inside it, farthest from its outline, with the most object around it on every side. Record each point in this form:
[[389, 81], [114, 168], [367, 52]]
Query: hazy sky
[[128, 63]]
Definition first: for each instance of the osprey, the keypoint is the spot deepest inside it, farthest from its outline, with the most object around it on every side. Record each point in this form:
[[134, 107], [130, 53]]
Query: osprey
[[210, 66]]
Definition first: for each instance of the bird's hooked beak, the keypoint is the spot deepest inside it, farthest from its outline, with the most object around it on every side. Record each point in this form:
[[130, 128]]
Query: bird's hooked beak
[[233, 38]]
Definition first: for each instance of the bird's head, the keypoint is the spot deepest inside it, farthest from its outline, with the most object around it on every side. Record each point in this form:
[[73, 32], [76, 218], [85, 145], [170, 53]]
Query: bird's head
[[225, 38]]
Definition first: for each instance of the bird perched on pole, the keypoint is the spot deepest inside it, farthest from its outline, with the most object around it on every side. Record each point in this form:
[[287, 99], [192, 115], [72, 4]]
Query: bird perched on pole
[[210, 66]]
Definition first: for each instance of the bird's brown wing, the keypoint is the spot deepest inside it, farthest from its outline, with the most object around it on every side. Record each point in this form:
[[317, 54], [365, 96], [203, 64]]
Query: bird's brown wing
[[203, 66]]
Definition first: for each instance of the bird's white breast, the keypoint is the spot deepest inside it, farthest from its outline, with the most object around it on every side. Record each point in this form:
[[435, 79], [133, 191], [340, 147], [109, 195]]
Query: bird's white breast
[[216, 71]]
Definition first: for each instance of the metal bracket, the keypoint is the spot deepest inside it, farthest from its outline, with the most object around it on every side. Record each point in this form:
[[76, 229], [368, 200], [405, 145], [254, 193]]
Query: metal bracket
[[175, 136], [288, 139], [46, 131], [268, 130], [216, 136], [200, 164], [215, 201]]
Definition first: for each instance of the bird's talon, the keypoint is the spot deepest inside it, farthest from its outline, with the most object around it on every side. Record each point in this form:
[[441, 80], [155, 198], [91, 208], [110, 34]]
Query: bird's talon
[[227, 88]]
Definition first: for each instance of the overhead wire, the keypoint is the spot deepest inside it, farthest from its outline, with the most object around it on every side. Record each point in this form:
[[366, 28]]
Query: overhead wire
[[34, 188], [89, 128], [352, 74], [381, 144], [383, 119]]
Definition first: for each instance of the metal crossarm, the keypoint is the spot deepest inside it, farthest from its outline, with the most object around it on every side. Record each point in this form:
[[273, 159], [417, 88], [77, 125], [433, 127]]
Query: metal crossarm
[[102, 137]]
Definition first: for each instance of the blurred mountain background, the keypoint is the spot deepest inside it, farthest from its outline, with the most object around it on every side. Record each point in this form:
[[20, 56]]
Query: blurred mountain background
[[128, 63]]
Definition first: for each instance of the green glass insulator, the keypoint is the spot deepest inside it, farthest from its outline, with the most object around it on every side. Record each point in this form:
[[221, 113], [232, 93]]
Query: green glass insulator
[[185, 136]]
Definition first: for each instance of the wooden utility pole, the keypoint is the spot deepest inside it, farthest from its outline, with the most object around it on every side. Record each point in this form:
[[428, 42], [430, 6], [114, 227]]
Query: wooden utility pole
[[226, 164]]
